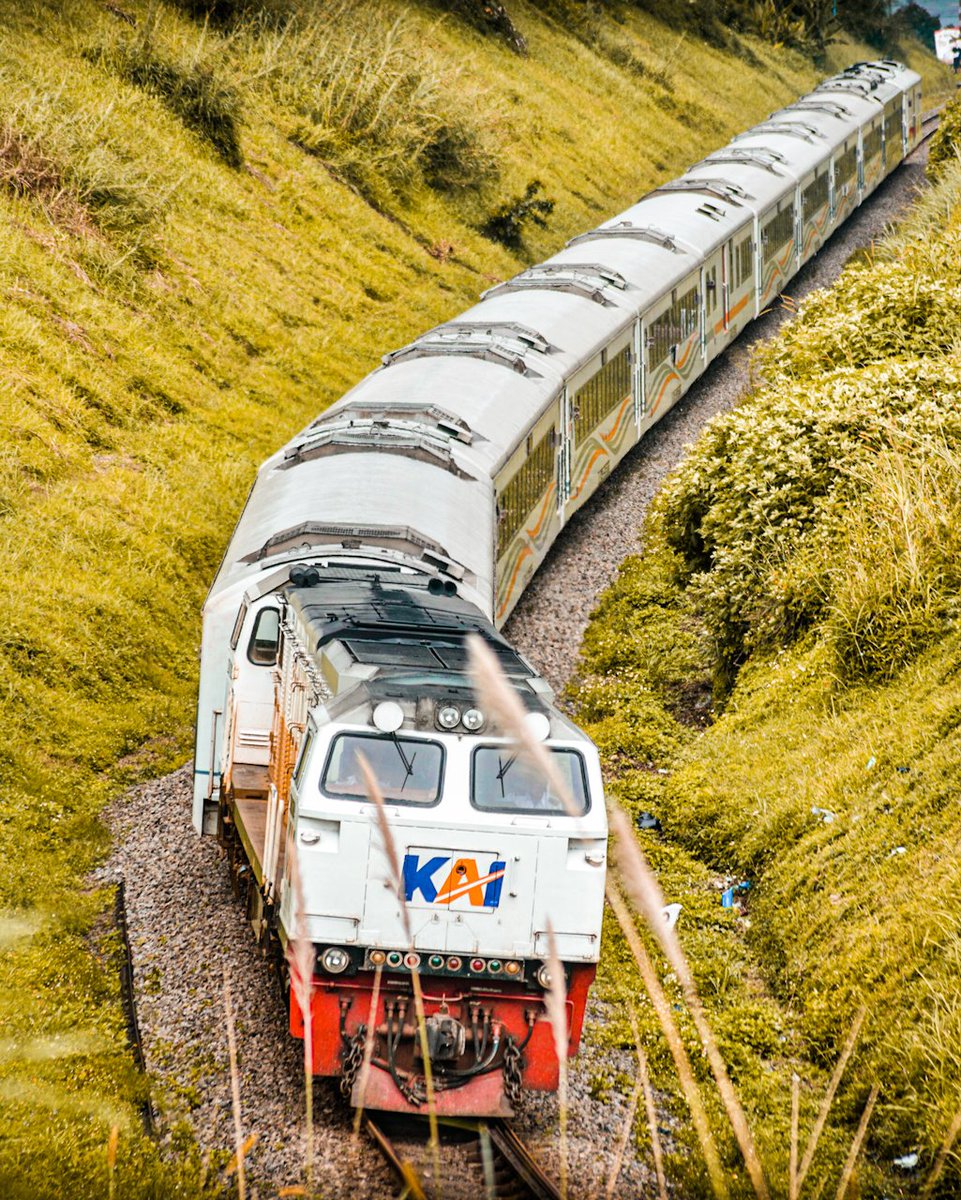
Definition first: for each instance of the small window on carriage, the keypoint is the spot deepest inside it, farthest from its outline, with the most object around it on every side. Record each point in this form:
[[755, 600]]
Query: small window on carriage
[[265, 639], [303, 756], [238, 625]]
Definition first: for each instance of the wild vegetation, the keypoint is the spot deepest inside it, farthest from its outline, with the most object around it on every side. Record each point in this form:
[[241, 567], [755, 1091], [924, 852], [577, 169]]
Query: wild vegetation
[[215, 221], [800, 573]]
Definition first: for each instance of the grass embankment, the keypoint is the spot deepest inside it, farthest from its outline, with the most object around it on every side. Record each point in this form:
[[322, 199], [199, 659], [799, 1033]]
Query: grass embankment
[[210, 232], [803, 565]]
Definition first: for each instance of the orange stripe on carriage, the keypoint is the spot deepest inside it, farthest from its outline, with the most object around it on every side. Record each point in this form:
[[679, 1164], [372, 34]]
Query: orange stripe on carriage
[[600, 452], [657, 399], [612, 433], [732, 312], [532, 533], [524, 554]]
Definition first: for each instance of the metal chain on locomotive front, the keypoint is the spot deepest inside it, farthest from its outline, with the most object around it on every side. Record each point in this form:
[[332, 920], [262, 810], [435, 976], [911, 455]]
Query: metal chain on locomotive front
[[353, 1060]]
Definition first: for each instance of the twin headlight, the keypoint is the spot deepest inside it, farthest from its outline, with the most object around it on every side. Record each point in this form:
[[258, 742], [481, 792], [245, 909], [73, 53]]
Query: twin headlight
[[449, 716]]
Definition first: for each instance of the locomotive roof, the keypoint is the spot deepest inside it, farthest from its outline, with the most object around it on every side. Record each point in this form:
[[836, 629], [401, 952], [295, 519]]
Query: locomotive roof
[[412, 633]]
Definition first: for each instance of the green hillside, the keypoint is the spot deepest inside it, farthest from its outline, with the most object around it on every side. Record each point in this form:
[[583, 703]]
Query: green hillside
[[803, 566], [211, 229]]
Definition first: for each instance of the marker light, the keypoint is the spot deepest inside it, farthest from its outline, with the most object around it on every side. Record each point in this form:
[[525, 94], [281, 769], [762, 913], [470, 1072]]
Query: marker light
[[473, 720], [436, 961], [377, 958], [334, 960], [448, 716], [395, 958], [512, 968], [412, 961], [494, 966], [388, 716], [544, 977], [477, 964], [454, 963]]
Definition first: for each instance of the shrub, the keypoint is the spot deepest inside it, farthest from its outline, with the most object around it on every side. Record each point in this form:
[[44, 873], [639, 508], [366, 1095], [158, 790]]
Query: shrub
[[376, 106], [946, 144], [489, 17], [193, 90], [506, 224]]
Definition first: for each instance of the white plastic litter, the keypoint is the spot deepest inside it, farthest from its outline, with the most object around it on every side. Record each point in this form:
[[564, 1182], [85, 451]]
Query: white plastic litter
[[670, 913]]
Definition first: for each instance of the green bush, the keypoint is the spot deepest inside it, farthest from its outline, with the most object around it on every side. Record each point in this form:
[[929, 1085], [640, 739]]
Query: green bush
[[506, 223], [946, 144]]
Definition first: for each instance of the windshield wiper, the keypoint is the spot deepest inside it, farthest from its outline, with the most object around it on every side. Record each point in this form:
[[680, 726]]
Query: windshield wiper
[[503, 768], [408, 763]]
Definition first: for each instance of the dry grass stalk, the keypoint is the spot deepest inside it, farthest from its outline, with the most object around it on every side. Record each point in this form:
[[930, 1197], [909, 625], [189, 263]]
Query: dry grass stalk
[[946, 1146], [397, 881], [624, 1138], [856, 1144], [555, 1001], [499, 699], [300, 952], [795, 1120], [646, 893], [112, 1141], [487, 1162], [645, 1080], [829, 1095], [364, 1073], [682, 1063], [235, 1089]]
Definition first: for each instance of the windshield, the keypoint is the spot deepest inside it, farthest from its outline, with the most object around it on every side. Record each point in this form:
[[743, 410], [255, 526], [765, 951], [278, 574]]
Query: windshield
[[503, 782], [408, 770]]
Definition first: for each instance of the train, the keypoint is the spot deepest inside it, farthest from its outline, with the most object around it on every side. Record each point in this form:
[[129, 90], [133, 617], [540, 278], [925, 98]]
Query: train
[[408, 518]]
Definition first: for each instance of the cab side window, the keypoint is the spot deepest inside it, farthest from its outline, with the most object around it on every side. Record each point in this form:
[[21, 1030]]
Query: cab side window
[[265, 638]]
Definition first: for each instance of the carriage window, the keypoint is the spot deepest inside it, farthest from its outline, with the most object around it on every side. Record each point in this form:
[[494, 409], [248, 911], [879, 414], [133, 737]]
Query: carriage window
[[892, 132], [846, 165], [503, 782], [744, 262], [601, 394], [265, 639], [778, 231], [815, 195], [872, 143], [408, 770], [524, 491], [673, 326]]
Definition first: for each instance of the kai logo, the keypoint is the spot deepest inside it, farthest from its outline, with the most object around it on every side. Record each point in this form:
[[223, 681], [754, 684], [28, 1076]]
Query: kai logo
[[454, 880]]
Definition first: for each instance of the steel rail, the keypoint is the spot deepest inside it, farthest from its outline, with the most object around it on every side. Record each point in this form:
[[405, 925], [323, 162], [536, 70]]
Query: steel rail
[[517, 1175]]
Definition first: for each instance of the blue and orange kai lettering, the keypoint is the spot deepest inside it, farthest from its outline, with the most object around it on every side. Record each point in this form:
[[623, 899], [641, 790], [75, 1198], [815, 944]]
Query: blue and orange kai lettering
[[463, 881]]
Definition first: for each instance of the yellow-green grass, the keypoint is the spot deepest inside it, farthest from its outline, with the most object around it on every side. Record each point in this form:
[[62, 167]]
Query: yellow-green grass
[[804, 562], [167, 321]]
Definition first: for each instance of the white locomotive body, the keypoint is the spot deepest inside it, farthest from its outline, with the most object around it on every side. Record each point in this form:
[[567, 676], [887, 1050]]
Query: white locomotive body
[[413, 512]]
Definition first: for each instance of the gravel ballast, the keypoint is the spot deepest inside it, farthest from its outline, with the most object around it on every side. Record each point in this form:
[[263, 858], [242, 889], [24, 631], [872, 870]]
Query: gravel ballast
[[188, 932]]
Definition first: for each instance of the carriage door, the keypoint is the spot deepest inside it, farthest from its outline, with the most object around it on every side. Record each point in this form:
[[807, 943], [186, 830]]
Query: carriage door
[[564, 451], [727, 253]]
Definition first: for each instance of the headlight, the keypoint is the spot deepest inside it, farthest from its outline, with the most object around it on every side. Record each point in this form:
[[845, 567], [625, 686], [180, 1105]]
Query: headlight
[[448, 716], [334, 960], [543, 977], [473, 720]]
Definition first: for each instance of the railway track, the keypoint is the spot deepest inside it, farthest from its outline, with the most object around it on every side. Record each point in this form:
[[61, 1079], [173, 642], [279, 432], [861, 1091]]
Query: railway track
[[480, 1159]]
